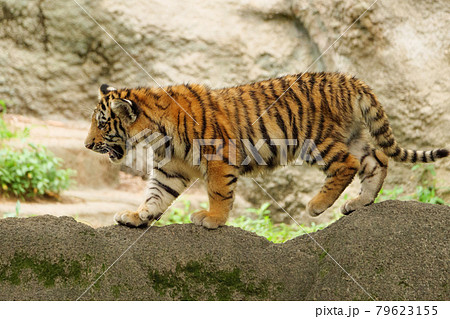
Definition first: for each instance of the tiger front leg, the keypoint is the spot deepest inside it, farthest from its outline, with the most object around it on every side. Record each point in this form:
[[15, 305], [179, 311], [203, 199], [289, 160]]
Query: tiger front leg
[[163, 188], [221, 182]]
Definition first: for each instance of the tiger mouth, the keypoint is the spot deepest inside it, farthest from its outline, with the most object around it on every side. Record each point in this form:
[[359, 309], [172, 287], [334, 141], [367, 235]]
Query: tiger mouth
[[115, 152]]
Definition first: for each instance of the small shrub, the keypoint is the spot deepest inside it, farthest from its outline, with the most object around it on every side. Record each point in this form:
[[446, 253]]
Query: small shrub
[[30, 171]]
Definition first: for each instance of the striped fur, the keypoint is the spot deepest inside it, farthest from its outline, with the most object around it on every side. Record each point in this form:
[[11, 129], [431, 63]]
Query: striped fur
[[334, 110]]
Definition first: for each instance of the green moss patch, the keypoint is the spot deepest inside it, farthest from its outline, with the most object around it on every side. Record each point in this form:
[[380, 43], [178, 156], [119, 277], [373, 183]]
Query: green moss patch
[[195, 281], [45, 271]]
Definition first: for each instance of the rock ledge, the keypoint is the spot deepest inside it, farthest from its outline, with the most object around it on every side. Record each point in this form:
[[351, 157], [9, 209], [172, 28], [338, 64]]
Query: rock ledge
[[394, 250]]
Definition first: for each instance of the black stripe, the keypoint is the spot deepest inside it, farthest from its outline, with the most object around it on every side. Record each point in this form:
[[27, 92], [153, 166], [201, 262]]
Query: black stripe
[[382, 130], [285, 88], [318, 137], [374, 155], [396, 152], [378, 116], [328, 131], [202, 106], [431, 156], [234, 180], [249, 127], [300, 109], [150, 118], [313, 113], [168, 189], [272, 90], [246, 169], [387, 144], [236, 114], [373, 101], [238, 125], [349, 96], [267, 99], [331, 161], [414, 158], [324, 153], [187, 147], [362, 171], [404, 156], [342, 87], [217, 129], [442, 152], [172, 174], [155, 188], [288, 122], [297, 125], [325, 107], [344, 158], [152, 197], [281, 123], [261, 123], [224, 197], [311, 109], [424, 157]]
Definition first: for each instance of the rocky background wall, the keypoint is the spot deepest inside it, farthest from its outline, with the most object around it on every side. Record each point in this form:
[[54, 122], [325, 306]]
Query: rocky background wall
[[53, 57]]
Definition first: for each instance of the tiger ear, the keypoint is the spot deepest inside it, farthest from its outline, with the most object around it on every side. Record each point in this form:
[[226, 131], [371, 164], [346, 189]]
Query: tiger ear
[[105, 89], [125, 110]]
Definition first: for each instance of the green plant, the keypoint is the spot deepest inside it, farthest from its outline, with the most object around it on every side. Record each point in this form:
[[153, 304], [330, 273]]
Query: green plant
[[261, 224], [426, 191], [16, 213], [178, 215], [32, 171], [386, 194], [5, 132]]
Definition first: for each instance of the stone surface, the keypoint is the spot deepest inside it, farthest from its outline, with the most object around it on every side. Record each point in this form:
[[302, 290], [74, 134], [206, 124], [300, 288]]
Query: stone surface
[[53, 57], [394, 250]]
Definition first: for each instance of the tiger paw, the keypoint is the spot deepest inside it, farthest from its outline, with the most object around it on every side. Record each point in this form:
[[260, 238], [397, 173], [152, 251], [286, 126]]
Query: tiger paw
[[131, 219], [207, 219], [354, 204], [136, 219], [315, 208]]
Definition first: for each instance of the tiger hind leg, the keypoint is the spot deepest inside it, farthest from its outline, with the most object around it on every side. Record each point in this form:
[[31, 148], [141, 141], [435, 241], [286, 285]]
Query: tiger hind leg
[[340, 170], [372, 172]]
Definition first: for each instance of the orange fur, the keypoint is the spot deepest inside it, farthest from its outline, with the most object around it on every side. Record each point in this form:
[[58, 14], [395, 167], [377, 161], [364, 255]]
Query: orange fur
[[333, 110]]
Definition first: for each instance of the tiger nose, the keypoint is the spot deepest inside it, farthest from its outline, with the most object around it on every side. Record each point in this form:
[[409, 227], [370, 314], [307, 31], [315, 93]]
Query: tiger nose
[[89, 146]]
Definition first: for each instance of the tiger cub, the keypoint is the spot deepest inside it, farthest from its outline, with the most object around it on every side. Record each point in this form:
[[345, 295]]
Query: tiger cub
[[260, 126]]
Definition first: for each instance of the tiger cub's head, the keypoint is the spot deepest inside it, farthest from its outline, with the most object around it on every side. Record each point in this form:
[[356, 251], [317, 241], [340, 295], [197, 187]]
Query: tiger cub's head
[[111, 120]]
